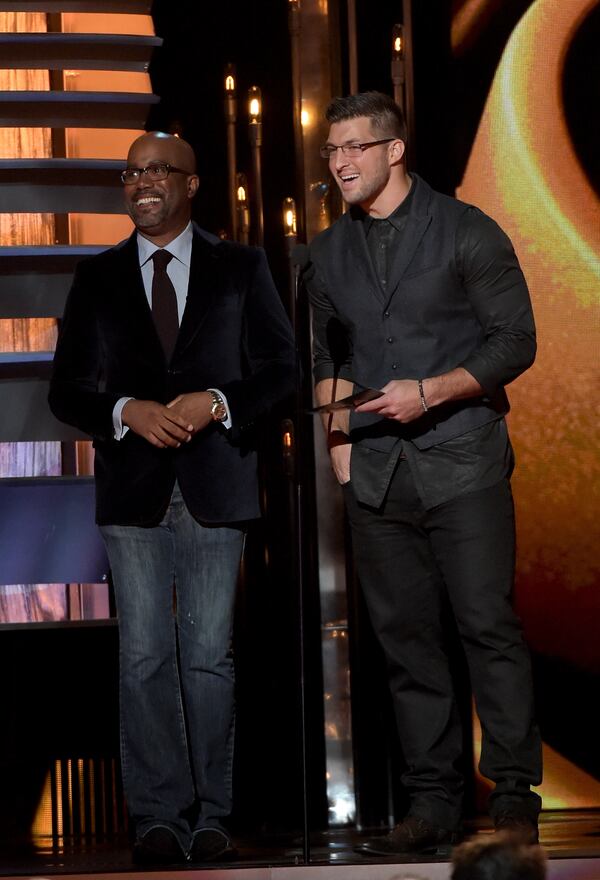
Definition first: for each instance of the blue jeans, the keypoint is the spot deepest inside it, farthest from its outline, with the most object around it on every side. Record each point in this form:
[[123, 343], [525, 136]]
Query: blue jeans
[[175, 590]]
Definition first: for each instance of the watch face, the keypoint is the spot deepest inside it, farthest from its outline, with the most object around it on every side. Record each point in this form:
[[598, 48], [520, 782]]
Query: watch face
[[218, 409]]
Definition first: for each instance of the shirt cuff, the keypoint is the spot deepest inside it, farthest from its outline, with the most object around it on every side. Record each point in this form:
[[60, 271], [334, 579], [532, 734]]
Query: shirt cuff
[[119, 429], [227, 423]]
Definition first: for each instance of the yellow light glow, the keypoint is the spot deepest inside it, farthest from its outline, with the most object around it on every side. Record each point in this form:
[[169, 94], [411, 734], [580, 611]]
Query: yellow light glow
[[524, 172], [398, 40], [305, 118], [229, 83], [289, 217], [254, 105], [241, 194]]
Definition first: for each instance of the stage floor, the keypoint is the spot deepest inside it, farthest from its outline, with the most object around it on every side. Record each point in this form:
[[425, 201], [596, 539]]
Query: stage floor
[[571, 840]]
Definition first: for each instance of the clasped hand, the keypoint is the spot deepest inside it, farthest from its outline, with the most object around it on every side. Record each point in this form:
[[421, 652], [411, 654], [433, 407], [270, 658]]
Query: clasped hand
[[170, 425]]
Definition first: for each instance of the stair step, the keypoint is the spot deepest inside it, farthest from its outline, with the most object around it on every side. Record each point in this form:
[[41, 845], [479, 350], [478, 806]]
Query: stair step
[[62, 186], [26, 416], [24, 385], [35, 281], [132, 7], [76, 51], [75, 109], [47, 531]]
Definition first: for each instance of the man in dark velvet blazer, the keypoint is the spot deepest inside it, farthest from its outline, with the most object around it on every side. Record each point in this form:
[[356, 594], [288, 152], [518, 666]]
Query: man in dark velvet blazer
[[173, 344], [422, 297]]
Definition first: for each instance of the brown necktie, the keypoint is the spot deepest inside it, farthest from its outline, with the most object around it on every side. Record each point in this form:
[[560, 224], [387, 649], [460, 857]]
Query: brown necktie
[[164, 303]]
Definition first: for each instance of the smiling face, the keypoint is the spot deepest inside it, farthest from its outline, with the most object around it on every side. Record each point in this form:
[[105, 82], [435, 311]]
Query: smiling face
[[161, 209], [375, 180]]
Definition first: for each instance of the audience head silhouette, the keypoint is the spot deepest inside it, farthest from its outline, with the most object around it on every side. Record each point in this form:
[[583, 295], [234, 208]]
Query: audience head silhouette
[[501, 857]]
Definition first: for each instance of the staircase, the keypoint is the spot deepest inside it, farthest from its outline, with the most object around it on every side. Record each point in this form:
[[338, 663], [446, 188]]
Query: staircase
[[73, 195]]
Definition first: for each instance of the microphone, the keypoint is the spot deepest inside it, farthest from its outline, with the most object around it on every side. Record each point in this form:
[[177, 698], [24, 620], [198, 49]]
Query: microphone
[[300, 255]]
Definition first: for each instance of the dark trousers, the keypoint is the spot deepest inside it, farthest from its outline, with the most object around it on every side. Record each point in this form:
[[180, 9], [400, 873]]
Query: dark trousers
[[410, 561]]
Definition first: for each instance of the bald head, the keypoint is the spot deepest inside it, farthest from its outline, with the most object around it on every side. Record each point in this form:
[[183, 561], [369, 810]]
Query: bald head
[[179, 151], [161, 209]]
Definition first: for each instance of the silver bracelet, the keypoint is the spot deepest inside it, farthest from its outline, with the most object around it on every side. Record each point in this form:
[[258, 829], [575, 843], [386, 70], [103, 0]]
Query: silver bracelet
[[422, 395]]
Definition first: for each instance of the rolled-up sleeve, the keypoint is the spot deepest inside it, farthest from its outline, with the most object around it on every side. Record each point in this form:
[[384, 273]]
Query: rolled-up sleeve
[[497, 290]]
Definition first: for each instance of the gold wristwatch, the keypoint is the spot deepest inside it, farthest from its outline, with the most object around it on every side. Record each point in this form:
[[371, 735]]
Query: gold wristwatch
[[218, 410]]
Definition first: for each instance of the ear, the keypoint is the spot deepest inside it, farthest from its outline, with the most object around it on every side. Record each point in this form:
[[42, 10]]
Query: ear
[[192, 185], [396, 151]]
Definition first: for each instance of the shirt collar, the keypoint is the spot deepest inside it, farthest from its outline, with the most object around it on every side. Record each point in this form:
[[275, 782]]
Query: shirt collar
[[180, 247], [396, 218]]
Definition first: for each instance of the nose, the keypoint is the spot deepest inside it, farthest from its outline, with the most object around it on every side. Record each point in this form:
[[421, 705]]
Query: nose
[[338, 159]]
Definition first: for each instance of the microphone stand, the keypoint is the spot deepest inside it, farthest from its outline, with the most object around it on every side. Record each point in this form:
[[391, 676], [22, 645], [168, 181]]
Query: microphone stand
[[292, 460]]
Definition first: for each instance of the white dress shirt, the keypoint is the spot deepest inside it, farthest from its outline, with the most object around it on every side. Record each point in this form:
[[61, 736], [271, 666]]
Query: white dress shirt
[[178, 271]]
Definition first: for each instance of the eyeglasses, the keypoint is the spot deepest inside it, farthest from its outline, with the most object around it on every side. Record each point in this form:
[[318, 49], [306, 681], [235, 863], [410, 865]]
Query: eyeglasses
[[352, 150], [155, 171]]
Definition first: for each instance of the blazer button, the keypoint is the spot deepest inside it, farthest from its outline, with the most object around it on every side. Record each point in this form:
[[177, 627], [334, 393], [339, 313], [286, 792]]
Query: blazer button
[[390, 339], [386, 314], [394, 366]]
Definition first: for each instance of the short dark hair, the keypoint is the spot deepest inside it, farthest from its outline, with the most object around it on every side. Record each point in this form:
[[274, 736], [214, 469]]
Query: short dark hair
[[385, 115], [500, 857]]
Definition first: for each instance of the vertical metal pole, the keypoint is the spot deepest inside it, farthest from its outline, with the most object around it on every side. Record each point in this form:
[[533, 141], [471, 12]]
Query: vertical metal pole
[[352, 47], [231, 117], [397, 67], [294, 24], [409, 88], [242, 210], [255, 131]]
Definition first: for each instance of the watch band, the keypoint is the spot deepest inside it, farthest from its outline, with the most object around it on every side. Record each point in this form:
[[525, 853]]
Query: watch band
[[218, 409]]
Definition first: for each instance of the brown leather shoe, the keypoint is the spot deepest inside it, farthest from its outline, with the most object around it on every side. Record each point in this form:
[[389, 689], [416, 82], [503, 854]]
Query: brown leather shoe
[[517, 824], [413, 835]]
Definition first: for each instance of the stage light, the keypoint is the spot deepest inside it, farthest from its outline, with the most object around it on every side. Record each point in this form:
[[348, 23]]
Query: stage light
[[398, 41], [254, 105], [242, 209], [231, 119], [255, 131], [397, 67], [289, 217]]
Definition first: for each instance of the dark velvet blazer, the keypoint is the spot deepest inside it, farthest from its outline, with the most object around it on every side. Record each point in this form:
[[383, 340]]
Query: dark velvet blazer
[[234, 336]]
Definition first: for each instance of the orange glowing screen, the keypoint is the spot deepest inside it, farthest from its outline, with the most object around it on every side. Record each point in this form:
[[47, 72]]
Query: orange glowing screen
[[524, 171]]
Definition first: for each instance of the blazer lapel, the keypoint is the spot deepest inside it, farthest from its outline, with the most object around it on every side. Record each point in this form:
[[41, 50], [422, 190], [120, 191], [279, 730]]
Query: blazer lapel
[[202, 289], [136, 300]]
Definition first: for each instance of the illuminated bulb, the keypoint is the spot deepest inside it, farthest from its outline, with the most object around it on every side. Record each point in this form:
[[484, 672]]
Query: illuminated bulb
[[241, 194], [305, 118], [398, 41], [229, 83], [254, 105], [289, 217]]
